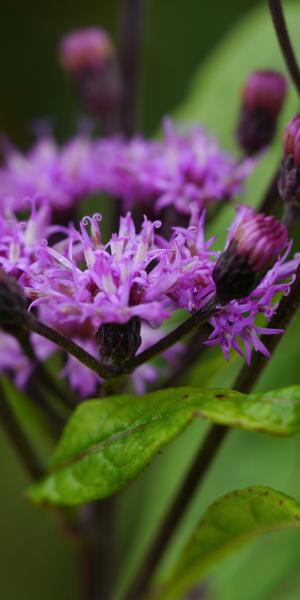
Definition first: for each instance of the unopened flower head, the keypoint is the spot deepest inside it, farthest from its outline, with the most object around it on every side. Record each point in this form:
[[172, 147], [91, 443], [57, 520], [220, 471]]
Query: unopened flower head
[[256, 241], [88, 55], [265, 90], [262, 99], [289, 177], [88, 48]]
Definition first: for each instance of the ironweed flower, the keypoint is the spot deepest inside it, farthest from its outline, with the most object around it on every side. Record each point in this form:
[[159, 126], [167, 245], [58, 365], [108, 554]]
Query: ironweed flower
[[262, 98], [195, 172], [95, 283], [60, 175], [19, 240], [181, 170], [235, 325]]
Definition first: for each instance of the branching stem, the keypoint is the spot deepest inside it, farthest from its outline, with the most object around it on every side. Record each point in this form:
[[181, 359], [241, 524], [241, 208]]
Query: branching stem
[[23, 448], [132, 30], [36, 326], [198, 319]]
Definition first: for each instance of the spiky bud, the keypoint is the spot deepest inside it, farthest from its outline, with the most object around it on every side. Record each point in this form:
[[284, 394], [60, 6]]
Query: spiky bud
[[88, 56], [256, 243], [13, 305], [289, 176], [119, 342], [262, 99]]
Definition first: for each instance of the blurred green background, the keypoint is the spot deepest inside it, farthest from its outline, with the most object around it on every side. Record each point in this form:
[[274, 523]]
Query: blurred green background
[[35, 561]]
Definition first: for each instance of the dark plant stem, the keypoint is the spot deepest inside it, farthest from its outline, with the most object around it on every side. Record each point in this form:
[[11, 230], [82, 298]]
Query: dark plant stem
[[131, 40], [40, 372], [175, 512], [97, 550], [34, 325], [246, 380], [271, 198], [22, 447], [198, 319], [55, 420], [280, 26]]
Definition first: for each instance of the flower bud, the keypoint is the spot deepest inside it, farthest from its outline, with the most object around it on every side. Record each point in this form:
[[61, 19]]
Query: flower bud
[[88, 56], [289, 176], [119, 342], [255, 245], [262, 99], [13, 306]]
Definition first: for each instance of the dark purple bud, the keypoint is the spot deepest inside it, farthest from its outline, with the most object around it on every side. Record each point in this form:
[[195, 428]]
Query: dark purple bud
[[13, 305], [119, 342], [255, 245], [262, 99], [289, 176], [89, 58]]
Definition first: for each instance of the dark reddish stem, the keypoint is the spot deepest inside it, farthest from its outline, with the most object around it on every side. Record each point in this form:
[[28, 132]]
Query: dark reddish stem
[[271, 197], [21, 445], [131, 46], [198, 319], [284, 41]]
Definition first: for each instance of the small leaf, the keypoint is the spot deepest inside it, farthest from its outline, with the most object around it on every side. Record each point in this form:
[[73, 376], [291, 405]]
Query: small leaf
[[229, 523], [108, 442]]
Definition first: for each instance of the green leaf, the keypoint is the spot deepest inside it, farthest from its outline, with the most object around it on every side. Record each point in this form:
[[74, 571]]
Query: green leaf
[[108, 442], [230, 522]]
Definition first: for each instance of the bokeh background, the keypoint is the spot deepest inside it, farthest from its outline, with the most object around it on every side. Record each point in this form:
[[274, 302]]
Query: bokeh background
[[182, 39]]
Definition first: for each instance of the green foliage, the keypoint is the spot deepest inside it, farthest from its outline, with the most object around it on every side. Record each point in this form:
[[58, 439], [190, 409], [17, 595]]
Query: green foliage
[[230, 522], [108, 442]]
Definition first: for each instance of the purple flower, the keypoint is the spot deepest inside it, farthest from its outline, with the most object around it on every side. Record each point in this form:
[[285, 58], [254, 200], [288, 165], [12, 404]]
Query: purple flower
[[13, 361], [236, 322], [259, 239], [61, 175], [93, 283], [19, 240], [181, 170], [196, 172]]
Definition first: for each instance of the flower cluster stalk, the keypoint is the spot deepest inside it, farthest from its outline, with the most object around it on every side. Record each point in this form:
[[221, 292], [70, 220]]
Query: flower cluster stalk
[[131, 46], [21, 445]]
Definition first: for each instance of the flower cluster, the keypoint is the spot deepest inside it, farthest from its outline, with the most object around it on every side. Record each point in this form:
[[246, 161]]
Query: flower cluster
[[114, 295], [181, 170], [60, 175], [81, 282]]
